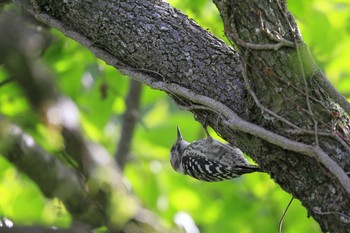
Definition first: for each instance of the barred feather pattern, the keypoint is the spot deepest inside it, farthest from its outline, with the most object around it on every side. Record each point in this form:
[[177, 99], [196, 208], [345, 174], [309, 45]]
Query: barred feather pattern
[[204, 169], [209, 160]]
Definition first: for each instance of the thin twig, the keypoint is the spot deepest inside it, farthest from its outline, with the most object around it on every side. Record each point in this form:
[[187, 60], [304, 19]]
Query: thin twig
[[302, 69], [320, 133], [195, 107], [301, 66], [278, 39], [248, 86], [257, 101], [284, 215], [280, 42], [346, 218], [288, 83], [305, 131]]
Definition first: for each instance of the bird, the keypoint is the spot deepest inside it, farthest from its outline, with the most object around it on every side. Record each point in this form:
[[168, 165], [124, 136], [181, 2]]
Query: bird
[[208, 159]]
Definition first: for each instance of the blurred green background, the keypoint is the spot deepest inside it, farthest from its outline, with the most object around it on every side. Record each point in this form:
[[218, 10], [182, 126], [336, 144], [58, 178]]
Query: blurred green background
[[252, 203]]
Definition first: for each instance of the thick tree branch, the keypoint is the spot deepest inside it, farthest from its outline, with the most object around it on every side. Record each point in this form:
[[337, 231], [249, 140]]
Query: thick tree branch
[[270, 70], [167, 30]]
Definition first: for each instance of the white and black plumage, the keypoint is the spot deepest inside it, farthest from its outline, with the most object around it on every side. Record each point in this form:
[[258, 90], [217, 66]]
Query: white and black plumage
[[209, 159]]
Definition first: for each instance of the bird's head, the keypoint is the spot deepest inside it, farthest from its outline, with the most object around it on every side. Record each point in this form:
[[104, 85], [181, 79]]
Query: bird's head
[[176, 152]]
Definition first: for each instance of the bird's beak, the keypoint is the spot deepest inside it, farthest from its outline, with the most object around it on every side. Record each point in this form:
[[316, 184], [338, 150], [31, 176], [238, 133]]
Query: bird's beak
[[179, 136]]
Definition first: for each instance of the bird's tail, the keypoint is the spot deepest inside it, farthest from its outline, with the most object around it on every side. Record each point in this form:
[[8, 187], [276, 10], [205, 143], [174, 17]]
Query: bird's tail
[[244, 169]]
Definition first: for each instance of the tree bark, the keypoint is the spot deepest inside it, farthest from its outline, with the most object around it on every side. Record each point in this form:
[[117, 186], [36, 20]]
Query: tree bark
[[270, 100]]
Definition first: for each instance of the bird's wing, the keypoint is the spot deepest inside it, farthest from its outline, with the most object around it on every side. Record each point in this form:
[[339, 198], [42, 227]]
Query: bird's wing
[[204, 169]]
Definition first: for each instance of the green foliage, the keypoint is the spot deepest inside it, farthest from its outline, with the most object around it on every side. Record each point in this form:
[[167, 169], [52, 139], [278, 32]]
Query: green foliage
[[252, 203], [325, 26]]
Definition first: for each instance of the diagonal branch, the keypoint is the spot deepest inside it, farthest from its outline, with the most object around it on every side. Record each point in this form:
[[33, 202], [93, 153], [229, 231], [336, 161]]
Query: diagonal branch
[[52, 176]]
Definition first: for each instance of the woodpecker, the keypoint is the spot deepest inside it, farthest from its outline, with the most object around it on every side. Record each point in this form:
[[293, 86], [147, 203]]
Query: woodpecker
[[209, 159]]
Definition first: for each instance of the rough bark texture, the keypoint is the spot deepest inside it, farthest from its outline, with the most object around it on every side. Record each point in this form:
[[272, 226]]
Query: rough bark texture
[[284, 87], [152, 38], [151, 35]]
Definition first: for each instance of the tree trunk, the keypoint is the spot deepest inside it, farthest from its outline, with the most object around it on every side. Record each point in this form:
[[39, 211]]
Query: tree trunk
[[270, 99]]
